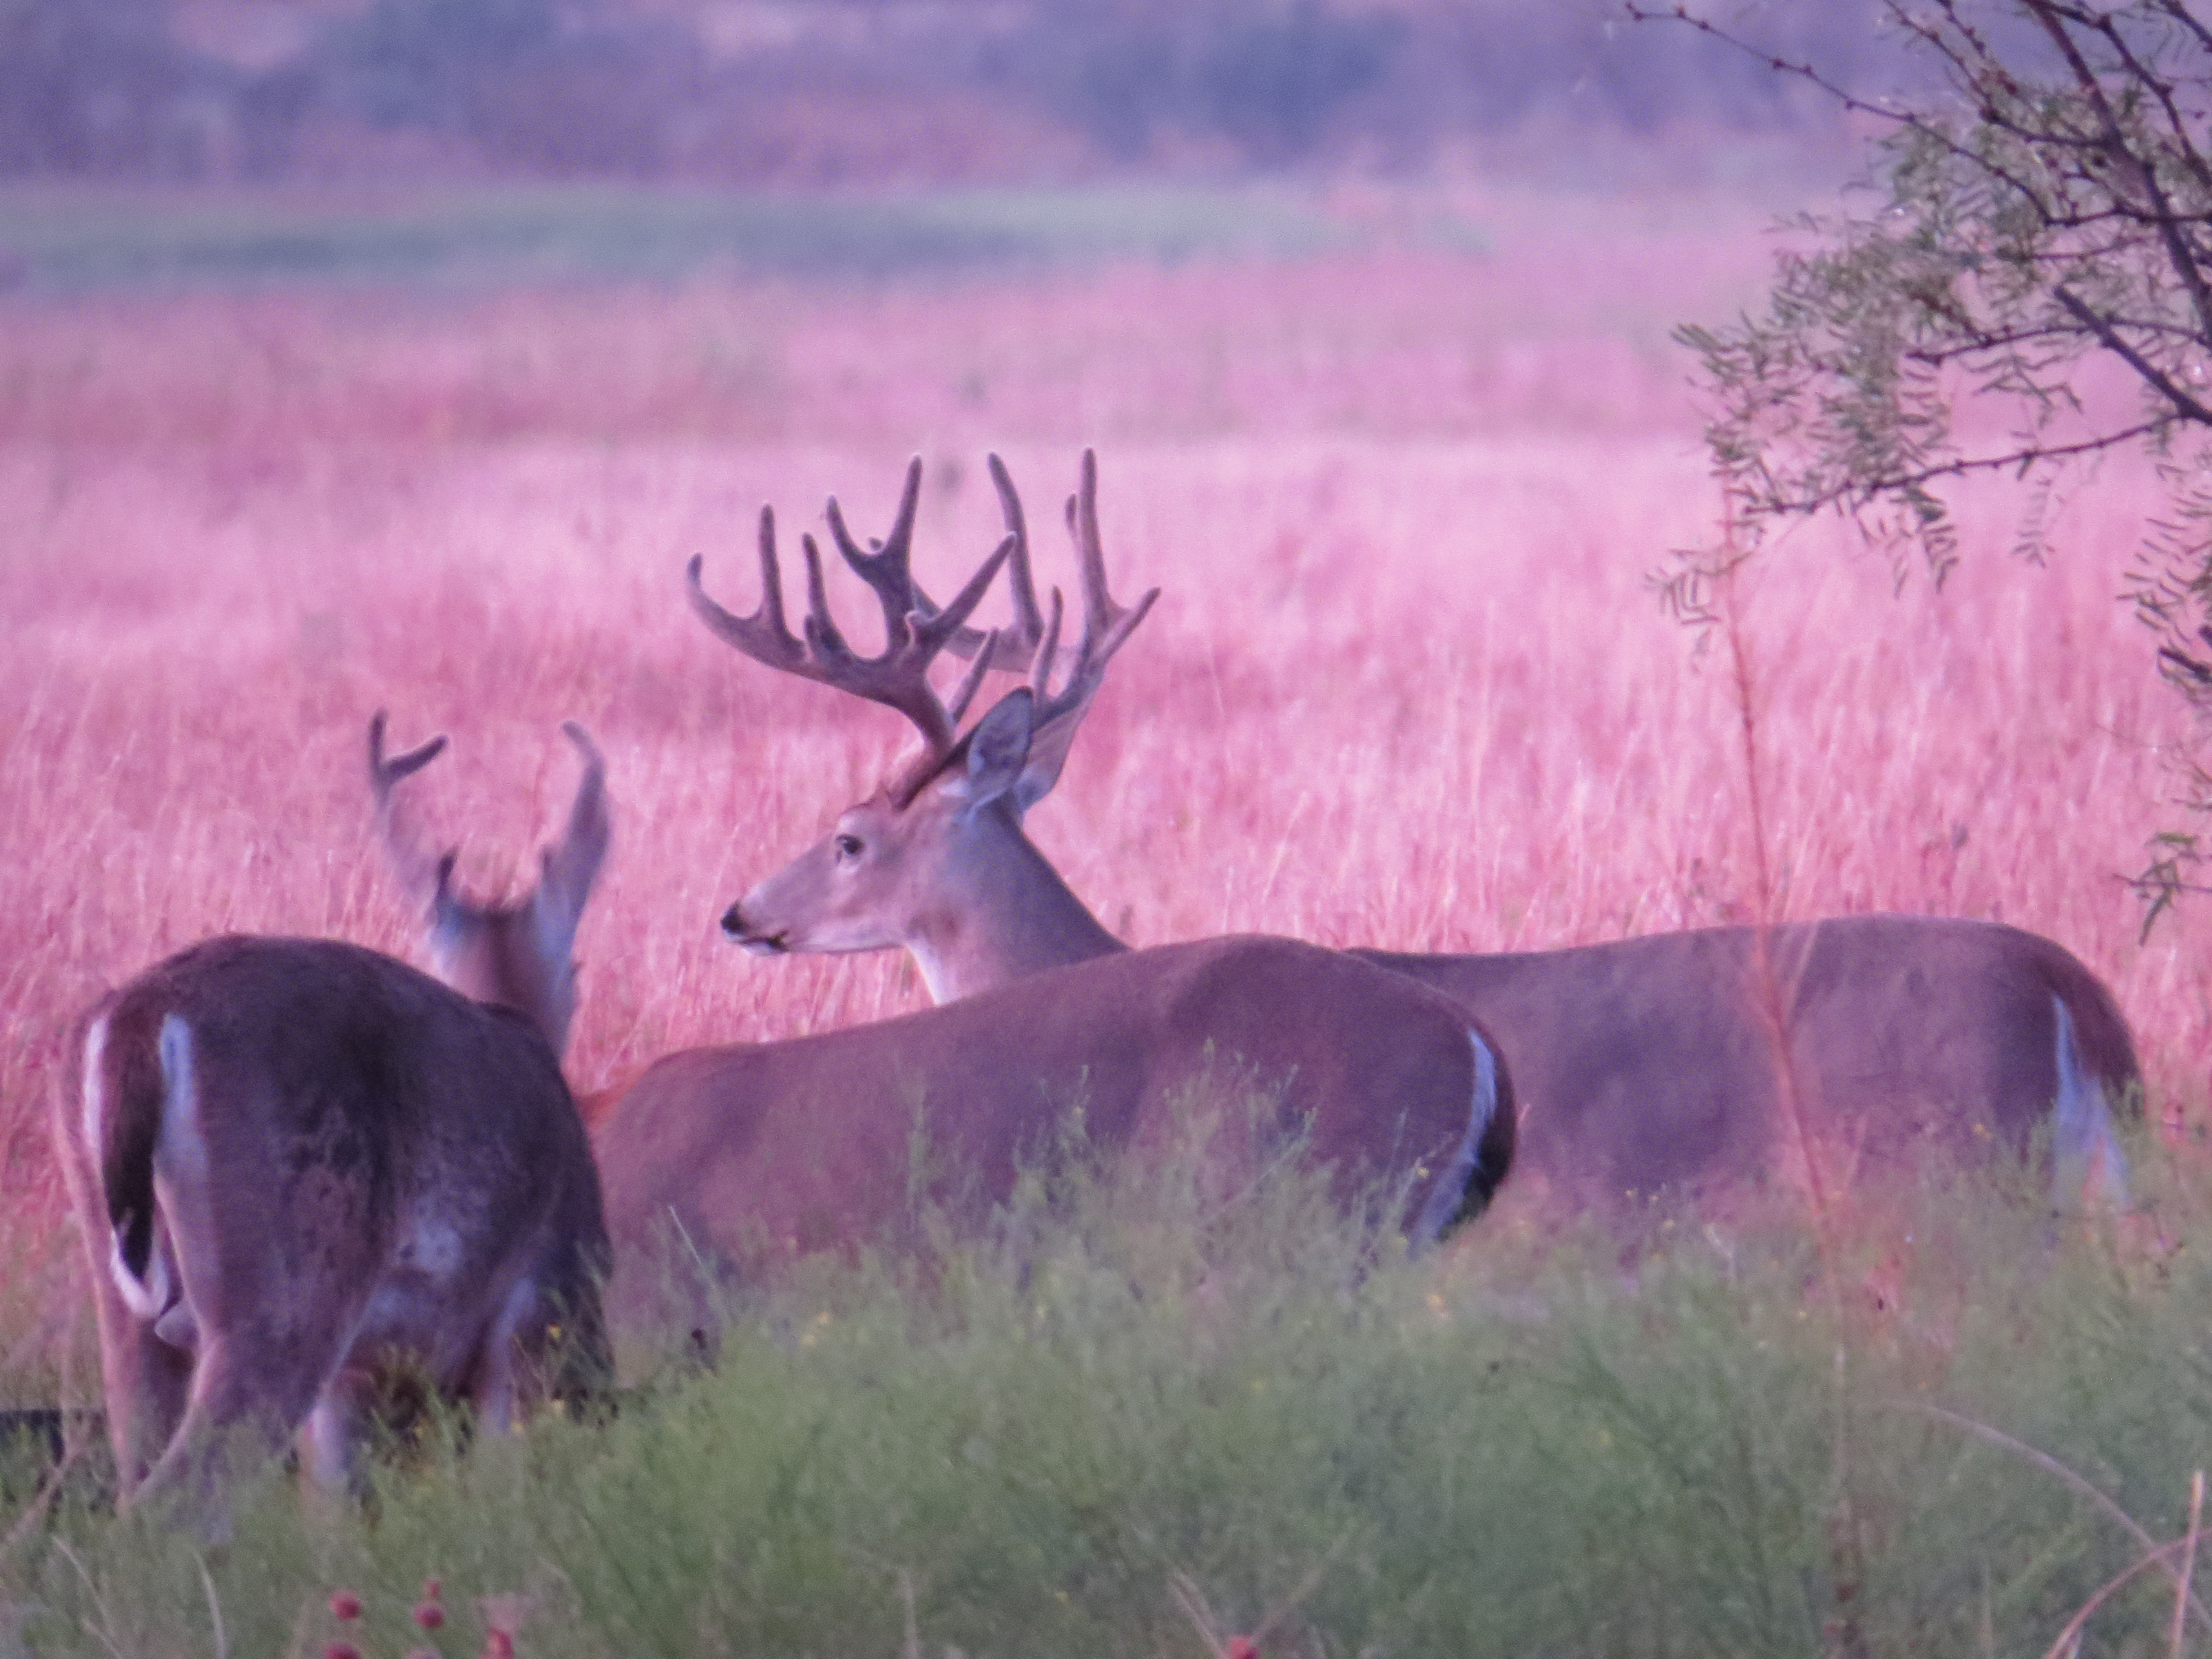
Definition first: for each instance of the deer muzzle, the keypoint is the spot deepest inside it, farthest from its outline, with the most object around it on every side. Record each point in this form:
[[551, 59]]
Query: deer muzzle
[[738, 930]]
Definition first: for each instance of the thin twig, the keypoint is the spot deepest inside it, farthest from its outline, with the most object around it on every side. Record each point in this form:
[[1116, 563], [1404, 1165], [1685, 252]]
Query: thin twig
[[1844, 1541], [1195, 1607], [913, 1648], [2034, 455], [1307, 1585], [2188, 1566], [1845, 100], [99, 1602], [49, 1489], [2049, 1465], [2068, 1640], [214, 1606], [2178, 254], [2109, 338]]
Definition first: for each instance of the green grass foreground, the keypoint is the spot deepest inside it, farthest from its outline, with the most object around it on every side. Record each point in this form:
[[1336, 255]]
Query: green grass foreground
[[1132, 1415]]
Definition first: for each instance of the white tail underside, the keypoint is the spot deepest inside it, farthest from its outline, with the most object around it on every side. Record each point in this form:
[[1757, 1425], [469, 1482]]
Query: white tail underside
[[1450, 1190]]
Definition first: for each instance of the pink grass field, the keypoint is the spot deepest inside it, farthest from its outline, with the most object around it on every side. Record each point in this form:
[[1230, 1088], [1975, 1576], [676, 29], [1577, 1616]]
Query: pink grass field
[[1408, 684]]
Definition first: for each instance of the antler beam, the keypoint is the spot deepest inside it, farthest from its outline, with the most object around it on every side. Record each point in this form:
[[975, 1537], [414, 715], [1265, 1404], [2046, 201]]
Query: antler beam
[[915, 631]]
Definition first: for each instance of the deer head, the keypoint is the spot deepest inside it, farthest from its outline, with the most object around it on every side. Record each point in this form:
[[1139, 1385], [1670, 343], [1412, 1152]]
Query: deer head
[[935, 859]]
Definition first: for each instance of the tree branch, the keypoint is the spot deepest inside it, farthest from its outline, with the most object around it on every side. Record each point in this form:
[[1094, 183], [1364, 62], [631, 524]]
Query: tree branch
[[2178, 254], [2019, 459], [2190, 157], [2183, 404], [1681, 14], [2178, 11]]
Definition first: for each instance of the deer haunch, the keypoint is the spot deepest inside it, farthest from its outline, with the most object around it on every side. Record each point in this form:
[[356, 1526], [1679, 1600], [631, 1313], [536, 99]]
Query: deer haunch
[[295, 1162]]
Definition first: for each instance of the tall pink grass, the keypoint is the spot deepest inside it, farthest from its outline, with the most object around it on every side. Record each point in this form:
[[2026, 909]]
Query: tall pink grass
[[1409, 684]]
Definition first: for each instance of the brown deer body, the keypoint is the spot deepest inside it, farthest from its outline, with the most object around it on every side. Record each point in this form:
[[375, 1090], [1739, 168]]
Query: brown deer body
[[296, 1164], [1652, 1066], [1682, 1063], [296, 1161], [750, 1155]]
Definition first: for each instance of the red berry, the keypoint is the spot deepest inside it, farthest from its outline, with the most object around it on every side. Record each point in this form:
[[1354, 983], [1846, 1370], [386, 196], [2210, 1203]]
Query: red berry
[[345, 1604], [498, 1644], [1240, 1647], [341, 1650], [430, 1615], [433, 1588]]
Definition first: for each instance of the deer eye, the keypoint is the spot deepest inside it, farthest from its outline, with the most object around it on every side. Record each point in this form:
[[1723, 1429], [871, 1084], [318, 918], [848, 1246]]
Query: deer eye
[[848, 847]]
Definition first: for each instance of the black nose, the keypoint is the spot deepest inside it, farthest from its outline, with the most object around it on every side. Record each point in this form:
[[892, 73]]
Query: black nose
[[733, 923]]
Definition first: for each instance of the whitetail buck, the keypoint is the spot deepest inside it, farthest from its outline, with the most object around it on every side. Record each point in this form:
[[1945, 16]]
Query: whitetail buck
[[297, 1163], [740, 1157], [1681, 1065]]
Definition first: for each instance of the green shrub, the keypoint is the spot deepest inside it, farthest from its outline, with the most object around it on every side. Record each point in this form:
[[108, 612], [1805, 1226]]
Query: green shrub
[[1141, 1406]]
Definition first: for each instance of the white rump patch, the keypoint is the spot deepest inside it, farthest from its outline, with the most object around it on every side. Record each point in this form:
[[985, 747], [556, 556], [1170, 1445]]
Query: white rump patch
[[177, 1138], [1450, 1190], [180, 1149], [145, 1297], [2086, 1161]]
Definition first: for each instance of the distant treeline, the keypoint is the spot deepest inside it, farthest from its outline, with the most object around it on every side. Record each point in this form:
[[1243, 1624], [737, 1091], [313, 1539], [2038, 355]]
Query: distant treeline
[[813, 90]]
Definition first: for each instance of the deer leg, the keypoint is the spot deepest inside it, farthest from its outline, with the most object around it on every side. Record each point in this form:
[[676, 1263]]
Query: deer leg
[[145, 1382], [495, 1386], [334, 1440], [231, 1395]]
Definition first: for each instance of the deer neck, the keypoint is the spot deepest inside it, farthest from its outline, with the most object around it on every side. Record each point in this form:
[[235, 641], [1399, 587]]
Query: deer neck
[[1004, 913]]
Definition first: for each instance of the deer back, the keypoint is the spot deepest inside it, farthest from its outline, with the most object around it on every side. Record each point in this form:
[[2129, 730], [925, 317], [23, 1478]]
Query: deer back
[[1654, 1065], [758, 1154]]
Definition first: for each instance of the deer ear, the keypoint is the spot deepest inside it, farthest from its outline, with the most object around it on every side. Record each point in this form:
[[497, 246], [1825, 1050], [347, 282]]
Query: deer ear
[[1047, 754], [998, 751]]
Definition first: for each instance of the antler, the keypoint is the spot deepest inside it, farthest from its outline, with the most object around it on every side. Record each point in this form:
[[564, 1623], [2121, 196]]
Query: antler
[[417, 867], [915, 631], [1106, 625], [567, 870], [1011, 648]]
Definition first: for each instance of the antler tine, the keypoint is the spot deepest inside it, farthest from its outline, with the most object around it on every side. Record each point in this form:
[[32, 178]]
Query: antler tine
[[929, 635], [588, 813], [1028, 623], [567, 870], [382, 773], [823, 638], [1041, 666], [763, 636], [1013, 648], [417, 867], [956, 708], [1106, 625], [889, 569]]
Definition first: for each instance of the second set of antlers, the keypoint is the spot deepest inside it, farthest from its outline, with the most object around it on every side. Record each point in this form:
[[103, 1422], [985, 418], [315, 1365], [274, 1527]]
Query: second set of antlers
[[916, 629]]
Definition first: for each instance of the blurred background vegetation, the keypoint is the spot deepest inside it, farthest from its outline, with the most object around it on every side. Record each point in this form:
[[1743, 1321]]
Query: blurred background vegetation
[[809, 92]]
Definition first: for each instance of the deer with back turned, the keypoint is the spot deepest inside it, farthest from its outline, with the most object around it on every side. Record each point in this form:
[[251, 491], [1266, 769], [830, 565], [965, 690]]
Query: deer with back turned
[[296, 1164]]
